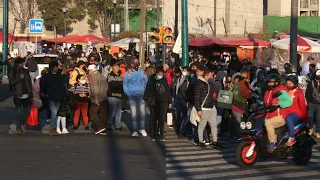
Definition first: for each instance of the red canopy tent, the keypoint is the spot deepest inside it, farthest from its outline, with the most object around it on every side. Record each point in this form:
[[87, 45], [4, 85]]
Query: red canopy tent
[[64, 39], [87, 38], [228, 41], [10, 37]]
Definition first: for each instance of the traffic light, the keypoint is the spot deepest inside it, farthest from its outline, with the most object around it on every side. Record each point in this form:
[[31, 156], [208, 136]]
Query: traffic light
[[157, 36], [167, 35]]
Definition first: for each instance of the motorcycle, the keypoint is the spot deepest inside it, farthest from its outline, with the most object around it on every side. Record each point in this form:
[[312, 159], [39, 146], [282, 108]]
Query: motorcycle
[[254, 141]]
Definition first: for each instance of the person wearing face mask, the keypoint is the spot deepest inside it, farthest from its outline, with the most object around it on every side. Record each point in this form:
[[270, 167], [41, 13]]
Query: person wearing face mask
[[79, 70], [82, 92], [159, 89], [298, 111], [217, 86], [20, 82], [53, 88], [150, 69]]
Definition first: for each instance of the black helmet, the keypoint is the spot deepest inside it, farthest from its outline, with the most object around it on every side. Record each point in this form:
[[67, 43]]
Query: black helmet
[[273, 78], [293, 78], [287, 66]]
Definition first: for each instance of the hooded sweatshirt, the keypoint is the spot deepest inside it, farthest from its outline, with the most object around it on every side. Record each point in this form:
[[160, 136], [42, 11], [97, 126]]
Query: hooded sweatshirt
[[134, 83], [299, 104]]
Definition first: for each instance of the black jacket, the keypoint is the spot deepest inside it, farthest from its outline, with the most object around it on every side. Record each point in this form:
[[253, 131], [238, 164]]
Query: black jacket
[[115, 83], [53, 87], [309, 91], [159, 89], [191, 89], [200, 93], [20, 86]]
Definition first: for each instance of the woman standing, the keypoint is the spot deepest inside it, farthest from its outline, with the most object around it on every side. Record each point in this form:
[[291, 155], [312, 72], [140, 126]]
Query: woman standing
[[158, 94], [82, 92]]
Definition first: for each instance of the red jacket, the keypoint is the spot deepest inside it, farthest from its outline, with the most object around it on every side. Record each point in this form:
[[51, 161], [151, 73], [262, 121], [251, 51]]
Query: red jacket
[[299, 105], [269, 101], [169, 76]]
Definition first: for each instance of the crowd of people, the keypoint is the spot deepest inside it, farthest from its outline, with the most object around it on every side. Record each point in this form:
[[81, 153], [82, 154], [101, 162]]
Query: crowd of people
[[99, 87]]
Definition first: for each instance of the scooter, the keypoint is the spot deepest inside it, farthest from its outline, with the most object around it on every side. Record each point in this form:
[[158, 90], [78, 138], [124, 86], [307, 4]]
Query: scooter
[[254, 142]]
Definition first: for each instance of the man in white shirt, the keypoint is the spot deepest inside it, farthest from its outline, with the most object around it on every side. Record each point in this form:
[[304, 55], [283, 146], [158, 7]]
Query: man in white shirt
[[305, 68]]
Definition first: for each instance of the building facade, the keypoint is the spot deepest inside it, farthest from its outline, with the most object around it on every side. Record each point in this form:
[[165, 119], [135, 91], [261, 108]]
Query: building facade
[[233, 17], [283, 8]]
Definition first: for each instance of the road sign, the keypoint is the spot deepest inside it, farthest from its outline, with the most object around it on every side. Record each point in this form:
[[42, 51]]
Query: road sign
[[36, 26]]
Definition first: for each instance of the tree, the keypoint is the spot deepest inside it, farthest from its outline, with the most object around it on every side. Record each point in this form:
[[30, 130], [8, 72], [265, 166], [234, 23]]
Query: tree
[[51, 13], [143, 9], [128, 34], [23, 11]]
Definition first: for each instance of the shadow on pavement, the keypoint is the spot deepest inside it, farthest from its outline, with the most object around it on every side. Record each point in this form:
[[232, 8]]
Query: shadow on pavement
[[4, 92]]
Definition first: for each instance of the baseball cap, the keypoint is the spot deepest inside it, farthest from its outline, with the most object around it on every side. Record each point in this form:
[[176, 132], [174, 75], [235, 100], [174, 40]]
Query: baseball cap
[[135, 62], [310, 58]]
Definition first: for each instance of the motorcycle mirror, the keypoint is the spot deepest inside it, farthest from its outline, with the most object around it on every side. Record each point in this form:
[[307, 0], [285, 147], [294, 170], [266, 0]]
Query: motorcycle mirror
[[276, 94]]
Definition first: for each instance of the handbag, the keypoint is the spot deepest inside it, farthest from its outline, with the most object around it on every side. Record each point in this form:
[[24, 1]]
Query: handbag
[[194, 118], [33, 116], [225, 99]]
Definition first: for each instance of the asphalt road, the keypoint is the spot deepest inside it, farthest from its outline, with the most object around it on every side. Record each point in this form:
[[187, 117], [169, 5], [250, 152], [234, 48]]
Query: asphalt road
[[116, 156]]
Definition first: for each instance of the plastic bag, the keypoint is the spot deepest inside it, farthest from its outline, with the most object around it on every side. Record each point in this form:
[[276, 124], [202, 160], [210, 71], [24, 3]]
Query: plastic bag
[[33, 117]]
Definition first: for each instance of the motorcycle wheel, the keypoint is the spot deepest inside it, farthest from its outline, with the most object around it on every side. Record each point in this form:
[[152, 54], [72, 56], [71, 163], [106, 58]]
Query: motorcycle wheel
[[242, 160], [302, 155]]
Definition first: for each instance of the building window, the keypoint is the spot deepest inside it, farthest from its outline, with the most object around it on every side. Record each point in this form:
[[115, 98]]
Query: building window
[[303, 13], [314, 13], [312, 2], [304, 4]]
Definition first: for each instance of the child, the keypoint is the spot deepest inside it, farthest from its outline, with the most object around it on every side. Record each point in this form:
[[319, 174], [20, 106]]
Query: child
[[63, 111]]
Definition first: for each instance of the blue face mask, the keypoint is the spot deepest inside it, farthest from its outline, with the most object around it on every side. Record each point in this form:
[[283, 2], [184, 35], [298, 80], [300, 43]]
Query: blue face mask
[[159, 77]]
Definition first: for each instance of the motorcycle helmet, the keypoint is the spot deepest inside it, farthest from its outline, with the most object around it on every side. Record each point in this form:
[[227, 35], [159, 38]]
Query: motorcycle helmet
[[272, 78], [287, 66]]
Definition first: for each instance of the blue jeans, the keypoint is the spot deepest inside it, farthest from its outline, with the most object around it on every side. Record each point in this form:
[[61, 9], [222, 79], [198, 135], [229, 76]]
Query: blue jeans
[[137, 103], [54, 107], [291, 120], [114, 112]]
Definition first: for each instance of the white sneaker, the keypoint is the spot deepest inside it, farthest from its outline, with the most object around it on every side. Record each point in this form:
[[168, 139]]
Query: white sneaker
[[59, 131], [135, 134], [143, 133], [65, 131]]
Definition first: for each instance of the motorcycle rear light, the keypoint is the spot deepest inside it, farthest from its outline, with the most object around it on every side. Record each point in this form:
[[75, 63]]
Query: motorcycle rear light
[[249, 125], [242, 125]]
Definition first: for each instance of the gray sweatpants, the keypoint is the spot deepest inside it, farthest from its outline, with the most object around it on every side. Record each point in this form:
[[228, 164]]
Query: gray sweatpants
[[211, 117]]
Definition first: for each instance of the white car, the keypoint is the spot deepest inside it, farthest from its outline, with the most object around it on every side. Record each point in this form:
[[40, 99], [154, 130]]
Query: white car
[[44, 60]]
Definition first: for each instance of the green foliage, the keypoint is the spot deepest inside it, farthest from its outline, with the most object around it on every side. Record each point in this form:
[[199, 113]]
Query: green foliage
[[51, 13]]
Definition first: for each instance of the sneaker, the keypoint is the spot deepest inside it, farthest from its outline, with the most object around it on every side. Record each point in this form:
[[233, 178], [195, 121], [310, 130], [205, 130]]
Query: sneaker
[[143, 133], [196, 143], [53, 132], [311, 132], [65, 131], [290, 142], [19, 132], [59, 131], [23, 129], [153, 140], [100, 131], [121, 129], [271, 147], [317, 135], [163, 140], [135, 134], [171, 127], [87, 128], [206, 142], [75, 128], [216, 145]]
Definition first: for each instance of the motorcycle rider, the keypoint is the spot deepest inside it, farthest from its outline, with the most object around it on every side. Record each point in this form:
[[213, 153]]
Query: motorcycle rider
[[274, 118], [298, 110]]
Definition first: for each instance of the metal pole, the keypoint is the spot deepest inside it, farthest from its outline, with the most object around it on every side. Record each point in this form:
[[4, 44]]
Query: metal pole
[[65, 25], [5, 35], [114, 21], [294, 34], [185, 46], [176, 18], [157, 54], [36, 43], [126, 19]]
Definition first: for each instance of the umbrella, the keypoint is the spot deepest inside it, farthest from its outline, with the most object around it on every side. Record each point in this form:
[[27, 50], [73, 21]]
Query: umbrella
[[64, 39], [124, 43], [303, 45], [88, 38]]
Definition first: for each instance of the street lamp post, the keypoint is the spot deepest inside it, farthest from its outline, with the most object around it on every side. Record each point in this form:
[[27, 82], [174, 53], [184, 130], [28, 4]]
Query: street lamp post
[[64, 10], [114, 2]]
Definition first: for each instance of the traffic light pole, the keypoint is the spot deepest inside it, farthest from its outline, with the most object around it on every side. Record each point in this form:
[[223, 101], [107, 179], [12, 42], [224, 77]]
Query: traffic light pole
[[5, 35], [184, 28], [157, 54], [164, 48], [294, 34]]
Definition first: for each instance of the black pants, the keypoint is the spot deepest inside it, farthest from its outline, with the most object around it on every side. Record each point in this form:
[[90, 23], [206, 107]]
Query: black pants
[[23, 107], [158, 120]]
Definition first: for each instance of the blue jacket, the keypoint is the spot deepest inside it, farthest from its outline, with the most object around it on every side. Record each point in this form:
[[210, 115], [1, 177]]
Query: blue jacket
[[134, 83]]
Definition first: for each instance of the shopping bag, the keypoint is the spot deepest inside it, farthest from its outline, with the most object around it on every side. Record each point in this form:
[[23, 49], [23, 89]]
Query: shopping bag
[[169, 119], [33, 117]]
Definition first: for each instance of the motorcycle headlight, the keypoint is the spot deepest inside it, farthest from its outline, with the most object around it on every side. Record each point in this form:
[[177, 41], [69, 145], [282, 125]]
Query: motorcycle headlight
[[242, 125], [248, 125]]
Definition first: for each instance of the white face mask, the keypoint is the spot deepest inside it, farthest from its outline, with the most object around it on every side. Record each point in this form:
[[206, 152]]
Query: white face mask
[[82, 81], [184, 73], [267, 68]]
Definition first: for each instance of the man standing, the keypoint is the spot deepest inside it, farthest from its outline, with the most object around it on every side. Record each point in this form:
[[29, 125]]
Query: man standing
[[20, 83], [32, 66], [134, 85], [305, 69], [99, 88], [53, 88], [115, 94]]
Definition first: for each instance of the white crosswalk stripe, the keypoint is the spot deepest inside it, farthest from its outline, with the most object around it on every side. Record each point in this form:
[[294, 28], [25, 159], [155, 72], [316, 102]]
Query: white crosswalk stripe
[[185, 161]]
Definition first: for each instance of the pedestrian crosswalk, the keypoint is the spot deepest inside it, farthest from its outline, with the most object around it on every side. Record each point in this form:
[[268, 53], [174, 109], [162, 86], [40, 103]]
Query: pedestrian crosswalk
[[187, 162]]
